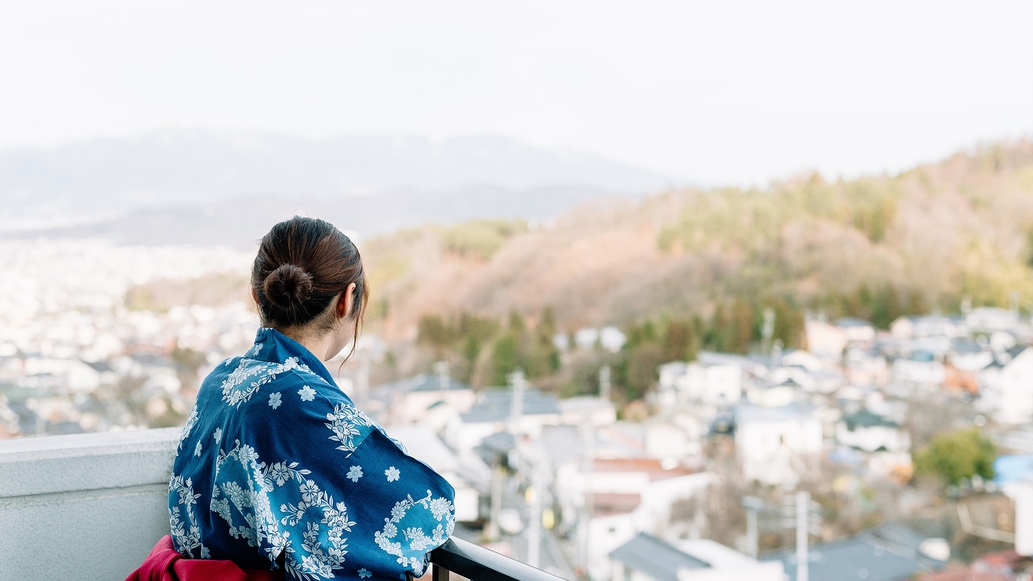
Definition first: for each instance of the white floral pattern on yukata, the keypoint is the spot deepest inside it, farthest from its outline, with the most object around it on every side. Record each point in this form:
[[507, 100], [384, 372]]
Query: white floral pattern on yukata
[[266, 481], [187, 535], [188, 426], [247, 488], [349, 426], [250, 375], [409, 550]]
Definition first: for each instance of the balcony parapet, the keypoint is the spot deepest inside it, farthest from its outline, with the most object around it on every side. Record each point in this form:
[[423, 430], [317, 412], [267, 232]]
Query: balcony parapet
[[91, 506], [84, 506]]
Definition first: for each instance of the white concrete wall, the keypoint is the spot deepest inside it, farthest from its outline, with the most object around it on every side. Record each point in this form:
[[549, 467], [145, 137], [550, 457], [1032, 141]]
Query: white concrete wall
[[87, 506], [1017, 390], [1022, 493]]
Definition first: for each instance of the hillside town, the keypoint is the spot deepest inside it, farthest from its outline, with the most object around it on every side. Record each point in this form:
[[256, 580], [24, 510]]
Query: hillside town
[[778, 464]]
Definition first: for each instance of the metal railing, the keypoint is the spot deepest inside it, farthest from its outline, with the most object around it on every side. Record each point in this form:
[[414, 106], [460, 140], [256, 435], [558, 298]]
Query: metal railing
[[480, 564]]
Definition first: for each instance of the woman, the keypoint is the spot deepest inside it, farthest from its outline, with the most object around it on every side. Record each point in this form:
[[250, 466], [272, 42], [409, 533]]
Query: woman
[[277, 469]]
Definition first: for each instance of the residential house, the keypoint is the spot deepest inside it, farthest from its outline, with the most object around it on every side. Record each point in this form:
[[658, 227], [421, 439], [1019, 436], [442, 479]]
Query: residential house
[[624, 496], [824, 340], [648, 558], [865, 367], [590, 409], [802, 358], [1006, 386], [869, 432], [781, 394], [886, 444], [775, 445], [493, 411], [904, 328], [1021, 493], [990, 319], [856, 330], [708, 380], [428, 399], [674, 438], [880, 554], [920, 368]]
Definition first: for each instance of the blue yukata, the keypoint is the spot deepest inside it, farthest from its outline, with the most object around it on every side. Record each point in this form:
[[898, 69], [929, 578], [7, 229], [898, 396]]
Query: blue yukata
[[276, 467]]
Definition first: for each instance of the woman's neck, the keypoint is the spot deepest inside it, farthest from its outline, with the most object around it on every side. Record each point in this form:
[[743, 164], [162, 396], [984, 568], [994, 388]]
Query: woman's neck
[[317, 344]]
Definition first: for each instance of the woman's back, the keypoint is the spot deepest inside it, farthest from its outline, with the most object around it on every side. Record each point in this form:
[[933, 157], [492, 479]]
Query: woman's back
[[277, 466]]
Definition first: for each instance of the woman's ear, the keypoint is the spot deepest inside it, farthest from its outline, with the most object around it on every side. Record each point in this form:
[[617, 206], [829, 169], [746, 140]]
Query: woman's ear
[[345, 303]]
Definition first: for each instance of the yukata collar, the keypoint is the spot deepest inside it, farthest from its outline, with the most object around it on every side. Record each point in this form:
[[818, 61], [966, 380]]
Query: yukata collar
[[275, 347]]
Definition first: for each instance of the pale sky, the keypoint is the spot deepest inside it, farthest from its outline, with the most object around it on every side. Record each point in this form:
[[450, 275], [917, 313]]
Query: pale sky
[[713, 92]]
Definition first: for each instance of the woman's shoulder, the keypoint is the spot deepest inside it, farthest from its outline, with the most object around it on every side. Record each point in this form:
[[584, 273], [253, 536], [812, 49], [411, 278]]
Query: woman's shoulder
[[238, 380]]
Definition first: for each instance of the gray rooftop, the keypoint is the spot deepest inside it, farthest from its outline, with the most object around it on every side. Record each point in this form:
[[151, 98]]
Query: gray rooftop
[[887, 552], [852, 322], [495, 404], [866, 419], [861, 558], [745, 413], [426, 382], [715, 358], [655, 558]]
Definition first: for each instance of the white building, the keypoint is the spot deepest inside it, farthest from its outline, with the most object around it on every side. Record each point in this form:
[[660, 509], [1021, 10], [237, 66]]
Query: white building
[[493, 412], [594, 410], [920, 368], [628, 496], [775, 445], [802, 358], [866, 367], [904, 328], [678, 440], [428, 399], [869, 432], [825, 340], [856, 330], [990, 319], [1007, 386], [1021, 492], [774, 396], [714, 383]]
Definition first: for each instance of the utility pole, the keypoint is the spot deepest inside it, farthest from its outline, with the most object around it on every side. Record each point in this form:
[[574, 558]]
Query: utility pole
[[604, 382], [767, 330], [492, 530], [803, 504], [516, 410], [534, 526], [752, 505], [587, 465], [444, 380]]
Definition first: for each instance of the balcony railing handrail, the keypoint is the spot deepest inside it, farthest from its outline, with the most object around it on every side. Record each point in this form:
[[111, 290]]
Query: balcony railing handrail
[[477, 563]]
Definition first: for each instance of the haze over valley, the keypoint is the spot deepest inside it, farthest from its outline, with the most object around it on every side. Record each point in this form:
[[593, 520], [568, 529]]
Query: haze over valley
[[227, 187]]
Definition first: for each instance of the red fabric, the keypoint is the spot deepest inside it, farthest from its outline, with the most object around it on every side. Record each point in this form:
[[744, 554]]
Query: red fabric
[[166, 564]]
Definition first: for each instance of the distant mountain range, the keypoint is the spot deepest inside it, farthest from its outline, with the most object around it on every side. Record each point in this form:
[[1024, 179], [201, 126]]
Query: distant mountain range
[[168, 186]]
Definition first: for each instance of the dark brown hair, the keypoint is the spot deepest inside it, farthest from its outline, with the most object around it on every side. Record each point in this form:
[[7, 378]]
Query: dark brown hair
[[302, 264]]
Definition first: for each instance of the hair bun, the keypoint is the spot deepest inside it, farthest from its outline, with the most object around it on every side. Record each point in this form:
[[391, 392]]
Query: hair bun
[[288, 286]]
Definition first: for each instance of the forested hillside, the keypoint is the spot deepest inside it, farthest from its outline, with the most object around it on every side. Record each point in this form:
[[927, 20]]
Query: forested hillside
[[692, 268]]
